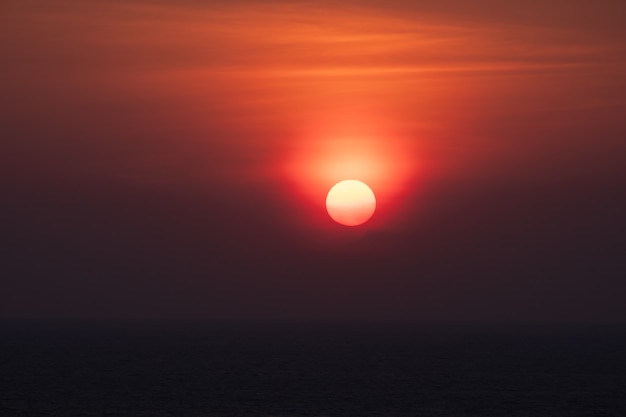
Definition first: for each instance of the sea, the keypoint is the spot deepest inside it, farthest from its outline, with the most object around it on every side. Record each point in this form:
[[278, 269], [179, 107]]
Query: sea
[[311, 368]]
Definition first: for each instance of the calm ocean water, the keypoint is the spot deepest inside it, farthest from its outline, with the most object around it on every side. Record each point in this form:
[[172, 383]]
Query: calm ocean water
[[209, 369]]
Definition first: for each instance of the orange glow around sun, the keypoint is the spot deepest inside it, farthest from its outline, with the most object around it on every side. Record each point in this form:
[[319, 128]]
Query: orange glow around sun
[[326, 156]]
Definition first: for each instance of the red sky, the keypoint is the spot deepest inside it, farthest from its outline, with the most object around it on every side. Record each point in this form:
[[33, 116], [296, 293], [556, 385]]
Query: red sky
[[172, 158]]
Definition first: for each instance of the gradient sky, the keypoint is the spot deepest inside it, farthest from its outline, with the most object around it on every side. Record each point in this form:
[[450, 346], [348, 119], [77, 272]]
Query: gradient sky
[[171, 159]]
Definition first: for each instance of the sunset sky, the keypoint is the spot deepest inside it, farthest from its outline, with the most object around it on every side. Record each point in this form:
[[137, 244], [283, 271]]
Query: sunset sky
[[172, 159]]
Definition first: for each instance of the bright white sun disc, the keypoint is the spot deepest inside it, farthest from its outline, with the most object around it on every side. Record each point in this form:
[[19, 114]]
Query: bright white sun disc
[[350, 202]]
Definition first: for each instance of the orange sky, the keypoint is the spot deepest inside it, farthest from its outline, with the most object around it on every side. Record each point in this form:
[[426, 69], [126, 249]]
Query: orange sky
[[436, 86], [269, 104]]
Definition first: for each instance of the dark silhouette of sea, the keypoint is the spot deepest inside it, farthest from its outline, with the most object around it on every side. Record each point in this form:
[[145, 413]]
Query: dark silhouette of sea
[[211, 369]]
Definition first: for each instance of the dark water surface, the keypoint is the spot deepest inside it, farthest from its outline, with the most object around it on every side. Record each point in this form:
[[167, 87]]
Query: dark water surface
[[209, 369]]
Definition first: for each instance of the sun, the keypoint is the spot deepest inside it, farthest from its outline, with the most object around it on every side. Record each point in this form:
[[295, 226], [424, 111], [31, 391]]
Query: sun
[[350, 202]]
